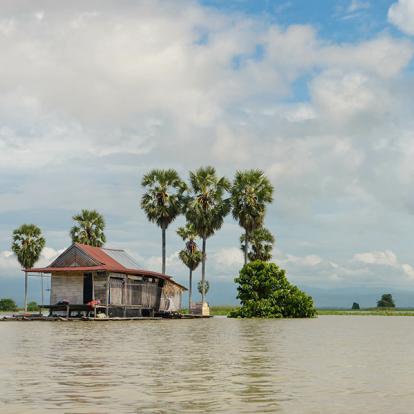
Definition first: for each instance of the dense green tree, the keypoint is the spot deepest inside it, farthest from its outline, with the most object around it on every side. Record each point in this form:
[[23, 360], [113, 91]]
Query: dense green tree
[[264, 292], [206, 207], [206, 287], [355, 306], [32, 306], [89, 228], [163, 200], [250, 192], [7, 305], [191, 256], [260, 244], [27, 245], [386, 301]]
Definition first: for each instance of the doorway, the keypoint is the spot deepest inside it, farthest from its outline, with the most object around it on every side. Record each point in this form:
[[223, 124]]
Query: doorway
[[87, 287]]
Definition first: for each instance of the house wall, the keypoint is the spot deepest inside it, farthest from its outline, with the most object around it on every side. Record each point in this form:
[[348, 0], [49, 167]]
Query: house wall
[[66, 286]]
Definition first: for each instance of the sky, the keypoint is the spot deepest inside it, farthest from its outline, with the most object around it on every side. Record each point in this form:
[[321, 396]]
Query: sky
[[318, 94]]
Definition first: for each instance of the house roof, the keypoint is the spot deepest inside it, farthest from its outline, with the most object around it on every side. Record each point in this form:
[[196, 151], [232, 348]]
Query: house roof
[[83, 258]]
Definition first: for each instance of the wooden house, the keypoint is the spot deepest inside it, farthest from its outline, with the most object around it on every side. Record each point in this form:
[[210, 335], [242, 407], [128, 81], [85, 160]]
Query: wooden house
[[87, 279]]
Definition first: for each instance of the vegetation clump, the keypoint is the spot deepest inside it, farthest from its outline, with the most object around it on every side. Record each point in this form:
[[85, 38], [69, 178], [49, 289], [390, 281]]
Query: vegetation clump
[[27, 245], [206, 207], [7, 304], [162, 201], [264, 292], [32, 306], [89, 228], [191, 256], [355, 306], [386, 301], [200, 287], [260, 244], [250, 193]]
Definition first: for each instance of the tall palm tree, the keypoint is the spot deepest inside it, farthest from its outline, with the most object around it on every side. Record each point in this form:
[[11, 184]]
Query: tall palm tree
[[89, 228], [261, 244], [206, 207], [250, 192], [163, 200], [190, 256], [27, 245]]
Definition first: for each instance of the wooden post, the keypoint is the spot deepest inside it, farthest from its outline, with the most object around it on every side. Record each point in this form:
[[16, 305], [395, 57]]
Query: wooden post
[[25, 291], [125, 293], [107, 294], [41, 275], [93, 295]]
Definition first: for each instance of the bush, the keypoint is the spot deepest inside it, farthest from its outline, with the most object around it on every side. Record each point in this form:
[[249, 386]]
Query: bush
[[32, 306], [264, 292], [355, 306], [386, 301], [7, 304]]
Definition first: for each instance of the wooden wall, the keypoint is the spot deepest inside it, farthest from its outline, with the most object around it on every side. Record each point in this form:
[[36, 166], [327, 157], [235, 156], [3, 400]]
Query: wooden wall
[[66, 286]]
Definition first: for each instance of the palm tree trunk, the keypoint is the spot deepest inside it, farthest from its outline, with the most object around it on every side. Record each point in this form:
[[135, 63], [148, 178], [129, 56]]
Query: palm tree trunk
[[163, 251], [203, 271], [190, 291], [25, 291], [246, 245]]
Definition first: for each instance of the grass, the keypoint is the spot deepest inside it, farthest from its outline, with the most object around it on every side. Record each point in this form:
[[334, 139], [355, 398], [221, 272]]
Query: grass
[[224, 310], [221, 310], [217, 310], [368, 311]]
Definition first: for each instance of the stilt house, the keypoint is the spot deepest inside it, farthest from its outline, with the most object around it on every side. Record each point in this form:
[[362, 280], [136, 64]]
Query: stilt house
[[85, 278]]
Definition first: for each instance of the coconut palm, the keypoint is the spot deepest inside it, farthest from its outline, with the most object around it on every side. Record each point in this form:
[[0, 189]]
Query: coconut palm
[[27, 245], [190, 256], [250, 192], [89, 228], [163, 200], [206, 207], [261, 244]]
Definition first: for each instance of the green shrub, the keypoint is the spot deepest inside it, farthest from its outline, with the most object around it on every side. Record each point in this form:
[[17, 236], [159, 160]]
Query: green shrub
[[355, 306], [7, 304], [264, 292], [32, 306], [386, 301]]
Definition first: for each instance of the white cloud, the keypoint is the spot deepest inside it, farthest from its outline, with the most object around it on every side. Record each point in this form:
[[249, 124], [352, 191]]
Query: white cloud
[[408, 270], [230, 259], [310, 260], [92, 97], [10, 266], [401, 14], [387, 258], [356, 5]]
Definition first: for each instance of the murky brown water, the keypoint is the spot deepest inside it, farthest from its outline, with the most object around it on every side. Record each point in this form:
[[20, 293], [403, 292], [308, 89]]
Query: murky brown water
[[333, 364]]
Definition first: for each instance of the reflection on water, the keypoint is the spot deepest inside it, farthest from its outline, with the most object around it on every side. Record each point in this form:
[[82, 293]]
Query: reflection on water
[[332, 364]]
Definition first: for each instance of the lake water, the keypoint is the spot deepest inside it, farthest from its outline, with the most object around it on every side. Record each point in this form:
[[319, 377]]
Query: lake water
[[332, 364]]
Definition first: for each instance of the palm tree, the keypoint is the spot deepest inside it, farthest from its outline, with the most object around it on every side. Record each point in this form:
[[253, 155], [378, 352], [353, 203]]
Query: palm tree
[[250, 192], [206, 208], [89, 228], [261, 242], [206, 286], [162, 202], [190, 256], [27, 245]]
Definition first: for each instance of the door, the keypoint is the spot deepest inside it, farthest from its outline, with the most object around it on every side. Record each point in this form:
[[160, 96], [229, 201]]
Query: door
[[87, 287]]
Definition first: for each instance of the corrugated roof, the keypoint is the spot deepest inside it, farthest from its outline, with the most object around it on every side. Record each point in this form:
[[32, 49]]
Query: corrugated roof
[[122, 257]]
